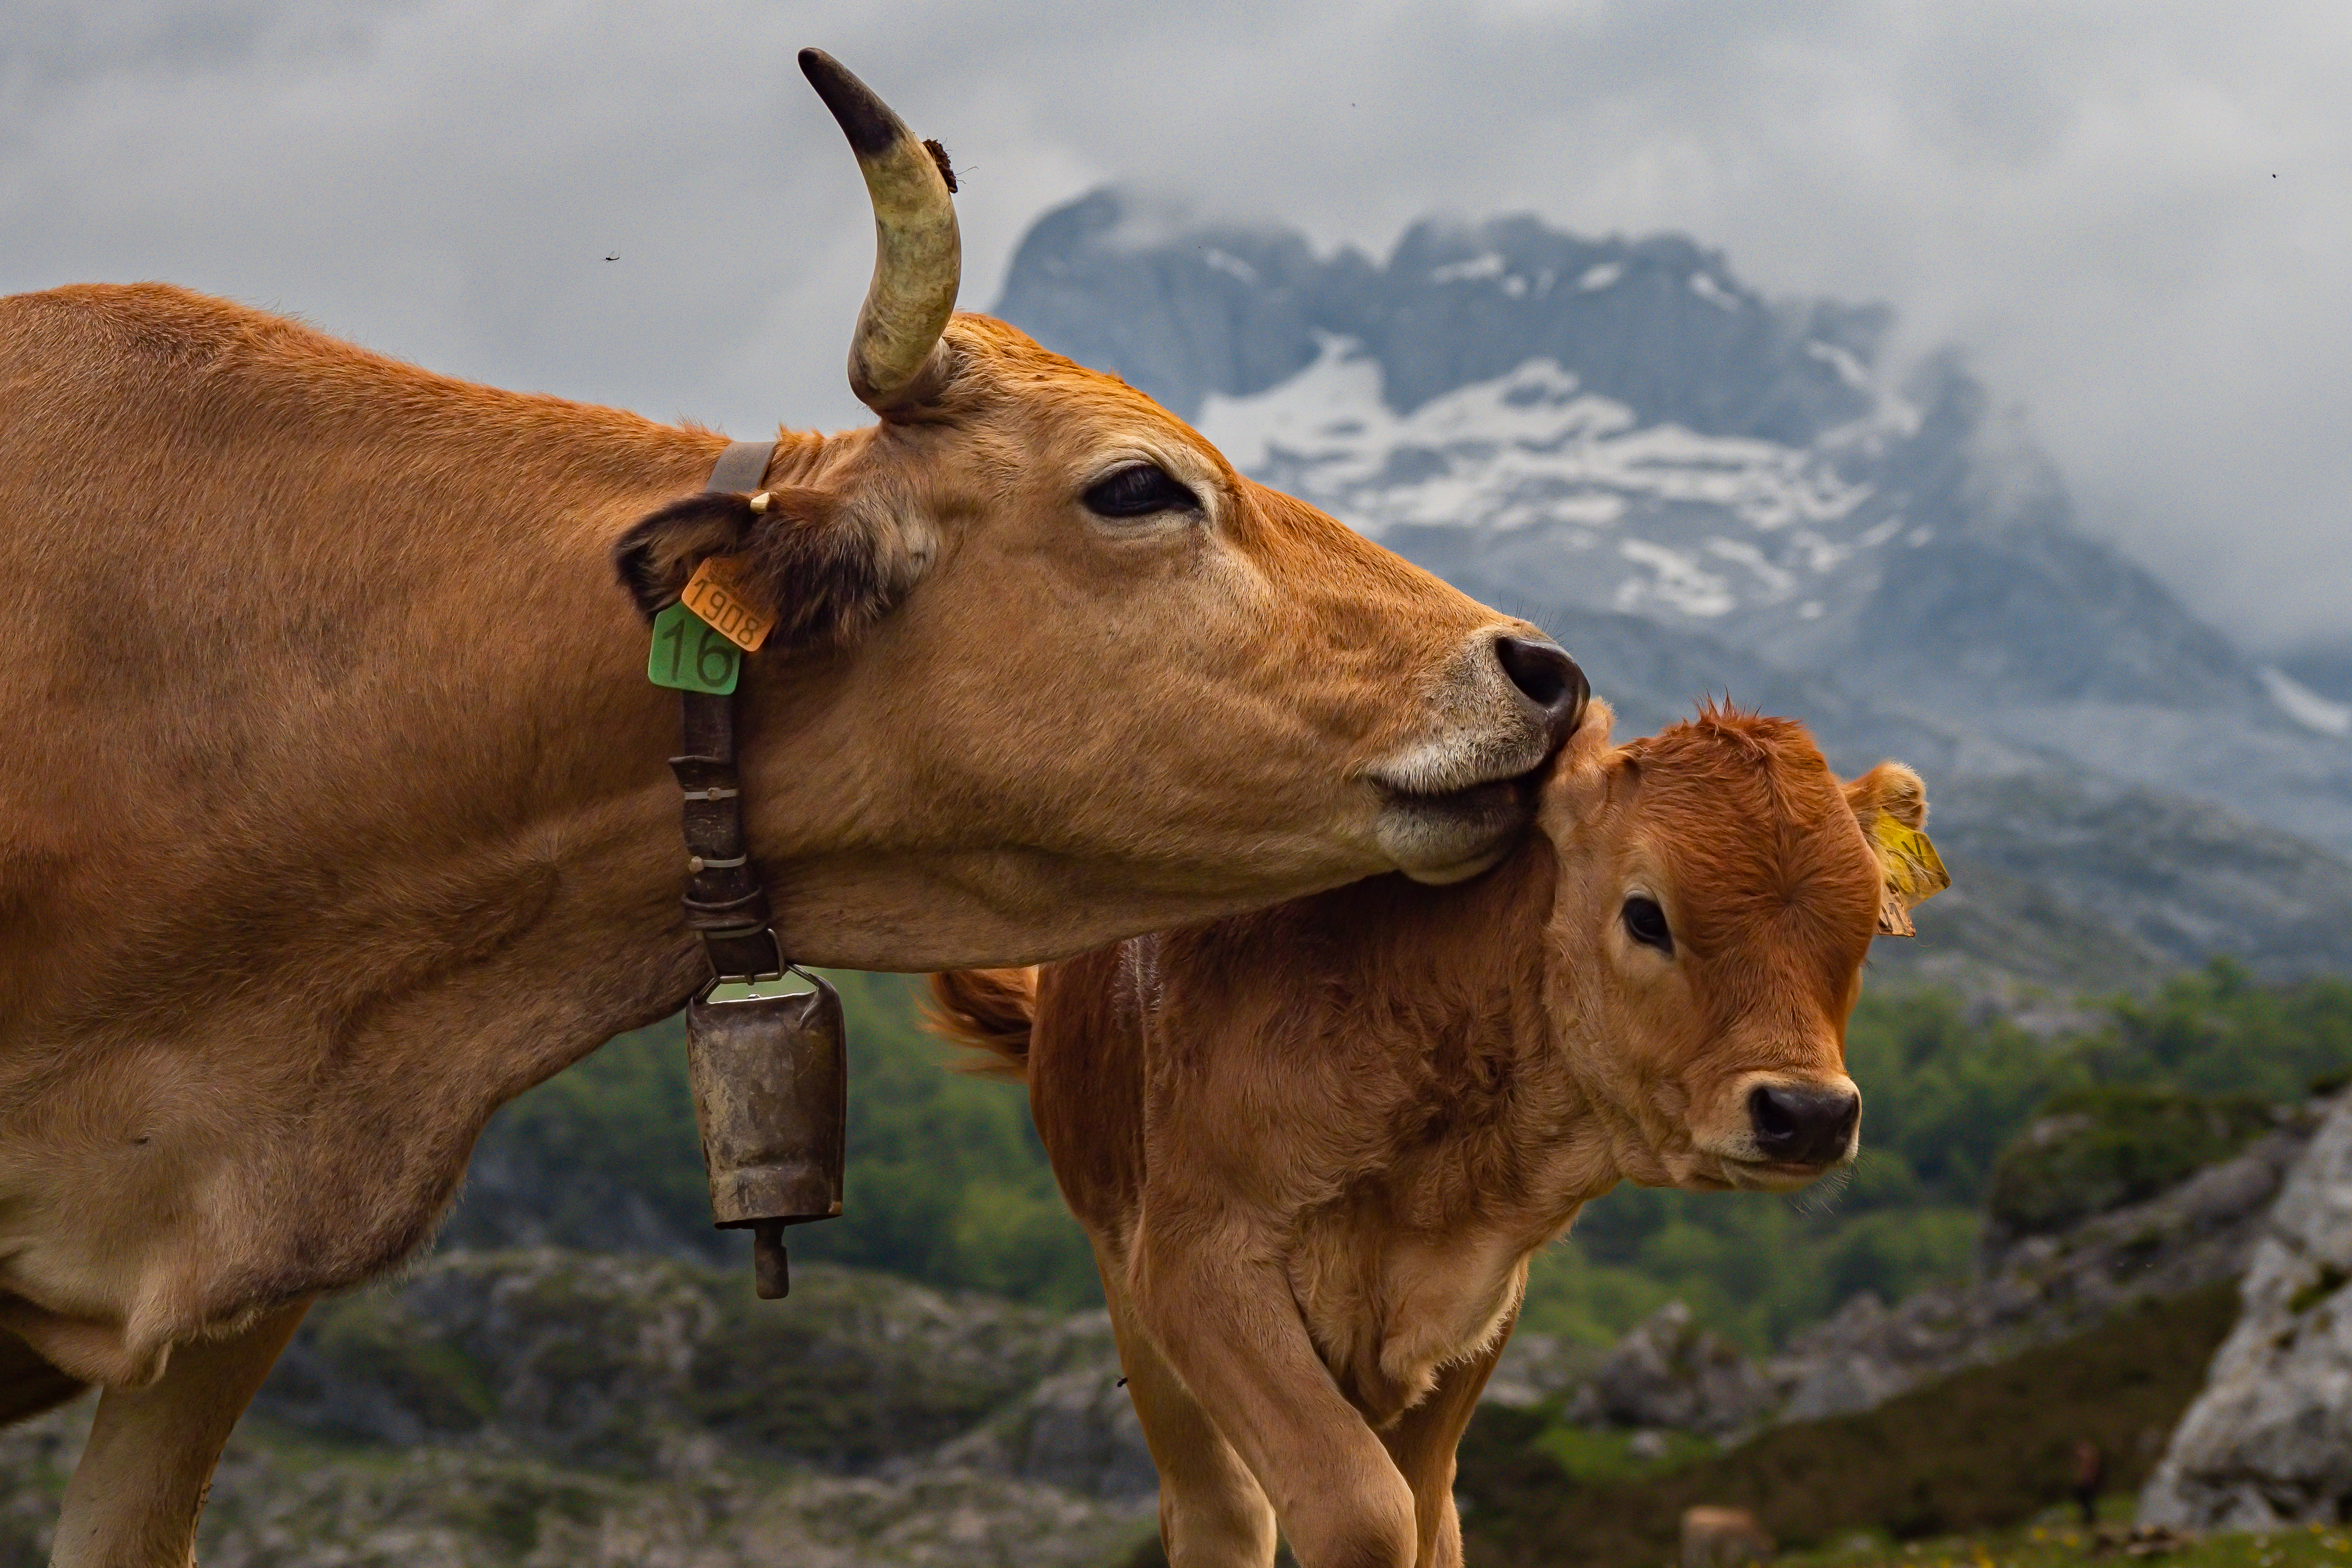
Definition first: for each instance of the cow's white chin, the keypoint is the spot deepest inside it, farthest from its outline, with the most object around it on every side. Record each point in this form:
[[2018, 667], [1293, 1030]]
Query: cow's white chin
[[1441, 838]]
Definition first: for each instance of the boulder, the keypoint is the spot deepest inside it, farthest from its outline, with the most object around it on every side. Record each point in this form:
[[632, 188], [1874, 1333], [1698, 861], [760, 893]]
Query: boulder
[[1670, 1373], [2269, 1442], [1535, 1367]]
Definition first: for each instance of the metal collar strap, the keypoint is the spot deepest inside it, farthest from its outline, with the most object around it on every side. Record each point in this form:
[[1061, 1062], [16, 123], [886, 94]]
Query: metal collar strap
[[725, 904]]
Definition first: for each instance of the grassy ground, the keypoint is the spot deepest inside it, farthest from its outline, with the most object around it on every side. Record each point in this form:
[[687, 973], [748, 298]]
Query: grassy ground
[[2067, 1545]]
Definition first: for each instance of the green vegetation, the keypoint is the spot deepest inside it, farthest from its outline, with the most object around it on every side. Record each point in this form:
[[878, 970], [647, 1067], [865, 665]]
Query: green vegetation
[[1985, 1448], [947, 1184], [2099, 1148]]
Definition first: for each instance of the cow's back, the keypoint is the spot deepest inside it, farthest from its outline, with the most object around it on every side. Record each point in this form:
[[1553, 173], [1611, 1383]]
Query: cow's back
[[245, 569]]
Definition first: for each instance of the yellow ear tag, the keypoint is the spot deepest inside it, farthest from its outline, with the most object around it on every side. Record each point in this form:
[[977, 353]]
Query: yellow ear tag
[[720, 593], [1913, 872]]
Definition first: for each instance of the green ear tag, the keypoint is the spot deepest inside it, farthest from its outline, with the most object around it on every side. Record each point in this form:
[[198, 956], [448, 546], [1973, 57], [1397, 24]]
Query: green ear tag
[[690, 655]]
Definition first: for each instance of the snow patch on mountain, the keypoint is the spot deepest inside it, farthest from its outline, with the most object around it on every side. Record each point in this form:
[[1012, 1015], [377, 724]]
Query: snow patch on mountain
[[1527, 446], [1534, 448]]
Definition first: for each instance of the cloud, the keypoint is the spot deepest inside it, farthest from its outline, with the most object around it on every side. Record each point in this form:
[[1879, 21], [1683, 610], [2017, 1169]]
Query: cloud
[[2132, 217]]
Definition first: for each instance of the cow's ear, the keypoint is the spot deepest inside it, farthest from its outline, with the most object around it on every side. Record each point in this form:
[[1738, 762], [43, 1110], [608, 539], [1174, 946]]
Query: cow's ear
[[1890, 802], [831, 565], [826, 567], [659, 552]]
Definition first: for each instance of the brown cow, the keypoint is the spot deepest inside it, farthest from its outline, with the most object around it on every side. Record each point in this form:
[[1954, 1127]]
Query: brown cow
[[1723, 1537], [334, 809], [1315, 1147]]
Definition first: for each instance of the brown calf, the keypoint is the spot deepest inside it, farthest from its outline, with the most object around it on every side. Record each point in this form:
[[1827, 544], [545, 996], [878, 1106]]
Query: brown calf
[[1315, 1147]]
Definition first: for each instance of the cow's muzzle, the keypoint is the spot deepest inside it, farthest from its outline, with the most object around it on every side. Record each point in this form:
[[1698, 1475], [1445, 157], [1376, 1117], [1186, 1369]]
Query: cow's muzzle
[[1455, 801]]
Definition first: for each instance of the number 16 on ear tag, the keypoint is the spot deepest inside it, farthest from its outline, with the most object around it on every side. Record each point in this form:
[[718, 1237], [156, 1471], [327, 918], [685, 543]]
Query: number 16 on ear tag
[[690, 655]]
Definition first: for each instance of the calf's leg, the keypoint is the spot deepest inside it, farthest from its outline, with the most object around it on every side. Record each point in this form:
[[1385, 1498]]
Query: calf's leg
[[141, 1483], [1212, 1512], [1422, 1443], [1228, 1327], [28, 1384]]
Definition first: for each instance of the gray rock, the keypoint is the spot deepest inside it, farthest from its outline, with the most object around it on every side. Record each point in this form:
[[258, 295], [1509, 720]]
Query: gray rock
[[2269, 1442], [1669, 1374], [1533, 1367], [1076, 1431], [1841, 1363]]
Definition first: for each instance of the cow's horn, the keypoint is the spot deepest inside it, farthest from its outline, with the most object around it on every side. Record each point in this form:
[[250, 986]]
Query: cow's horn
[[918, 256]]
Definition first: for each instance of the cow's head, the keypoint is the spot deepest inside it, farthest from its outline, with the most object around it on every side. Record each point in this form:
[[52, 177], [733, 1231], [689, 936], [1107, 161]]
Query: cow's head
[[1054, 672], [1717, 890]]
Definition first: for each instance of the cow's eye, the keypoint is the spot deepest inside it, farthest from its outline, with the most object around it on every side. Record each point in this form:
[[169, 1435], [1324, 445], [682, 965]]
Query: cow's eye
[[1139, 490], [1646, 923]]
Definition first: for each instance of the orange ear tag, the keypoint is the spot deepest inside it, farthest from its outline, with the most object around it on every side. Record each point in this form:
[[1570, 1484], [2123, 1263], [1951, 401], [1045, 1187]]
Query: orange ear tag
[[719, 593], [1913, 873]]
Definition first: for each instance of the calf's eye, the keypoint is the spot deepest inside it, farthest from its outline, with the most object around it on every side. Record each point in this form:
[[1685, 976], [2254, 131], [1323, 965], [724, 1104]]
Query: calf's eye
[[1139, 490], [1646, 923]]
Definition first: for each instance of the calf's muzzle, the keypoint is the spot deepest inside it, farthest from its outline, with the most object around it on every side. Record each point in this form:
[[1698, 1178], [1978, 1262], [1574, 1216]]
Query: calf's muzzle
[[1798, 1126]]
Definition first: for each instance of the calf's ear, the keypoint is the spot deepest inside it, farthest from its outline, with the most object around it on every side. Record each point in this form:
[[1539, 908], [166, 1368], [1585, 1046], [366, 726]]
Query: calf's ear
[[1578, 778], [1890, 789], [1890, 802], [826, 567]]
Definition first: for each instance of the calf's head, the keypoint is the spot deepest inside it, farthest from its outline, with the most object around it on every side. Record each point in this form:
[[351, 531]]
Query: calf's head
[[1718, 891], [1068, 673]]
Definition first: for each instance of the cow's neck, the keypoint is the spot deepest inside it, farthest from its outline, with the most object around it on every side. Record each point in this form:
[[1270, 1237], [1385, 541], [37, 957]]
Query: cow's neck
[[585, 740]]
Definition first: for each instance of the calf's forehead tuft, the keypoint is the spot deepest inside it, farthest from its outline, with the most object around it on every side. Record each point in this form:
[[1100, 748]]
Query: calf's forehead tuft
[[1751, 823]]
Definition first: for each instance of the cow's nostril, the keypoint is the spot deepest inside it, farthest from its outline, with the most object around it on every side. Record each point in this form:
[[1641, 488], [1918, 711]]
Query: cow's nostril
[[1804, 1126], [1550, 681]]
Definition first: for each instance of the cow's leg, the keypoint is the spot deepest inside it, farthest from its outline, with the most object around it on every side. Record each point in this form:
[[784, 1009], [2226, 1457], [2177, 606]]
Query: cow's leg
[[1422, 1443], [1212, 1512], [1222, 1313], [134, 1497]]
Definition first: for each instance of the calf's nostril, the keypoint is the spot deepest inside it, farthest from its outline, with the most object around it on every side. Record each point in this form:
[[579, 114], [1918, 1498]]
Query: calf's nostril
[[1802, 1126], [1550, 681]]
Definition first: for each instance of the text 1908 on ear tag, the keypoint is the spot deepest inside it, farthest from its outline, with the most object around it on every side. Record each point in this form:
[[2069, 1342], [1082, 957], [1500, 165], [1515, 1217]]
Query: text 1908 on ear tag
[[691, 654], [718, 592]]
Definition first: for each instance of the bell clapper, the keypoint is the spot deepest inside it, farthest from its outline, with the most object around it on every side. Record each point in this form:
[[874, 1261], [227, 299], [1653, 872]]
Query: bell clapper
[[771, 1274]]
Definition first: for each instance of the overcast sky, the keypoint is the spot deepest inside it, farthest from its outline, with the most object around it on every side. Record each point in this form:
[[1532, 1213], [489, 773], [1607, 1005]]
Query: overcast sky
[[2135, 215]]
